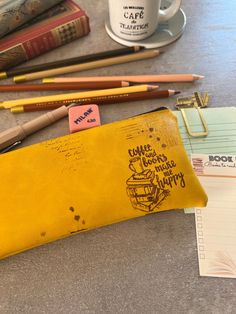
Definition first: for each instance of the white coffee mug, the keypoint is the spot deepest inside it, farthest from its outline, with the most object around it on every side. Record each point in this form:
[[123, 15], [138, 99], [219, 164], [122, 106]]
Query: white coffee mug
[[138, 19]]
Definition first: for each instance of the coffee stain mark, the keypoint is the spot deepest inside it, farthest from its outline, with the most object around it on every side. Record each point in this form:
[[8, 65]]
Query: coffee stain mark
[[43, 234], [158, 139], [83, 222], [151, 129], [77, 217], [72, 209], [164, 145], [150, 136]]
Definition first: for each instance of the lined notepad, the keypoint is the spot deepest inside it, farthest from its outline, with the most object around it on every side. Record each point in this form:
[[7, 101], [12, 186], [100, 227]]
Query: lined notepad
[[222, 132], [216, 224]]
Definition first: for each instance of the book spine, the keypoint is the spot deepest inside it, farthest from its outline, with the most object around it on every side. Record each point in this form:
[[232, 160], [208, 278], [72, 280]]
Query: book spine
[[15, 13], [44, 42]]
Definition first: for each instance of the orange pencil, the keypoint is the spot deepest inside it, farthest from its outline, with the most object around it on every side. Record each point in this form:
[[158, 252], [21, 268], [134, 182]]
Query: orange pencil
[[161, 78]]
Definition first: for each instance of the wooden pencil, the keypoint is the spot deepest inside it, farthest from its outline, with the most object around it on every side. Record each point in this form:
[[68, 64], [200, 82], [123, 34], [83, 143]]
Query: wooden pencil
[[99, 100], [161, 78], [88, 66], [70, 61], [62, 86], [71, 96]]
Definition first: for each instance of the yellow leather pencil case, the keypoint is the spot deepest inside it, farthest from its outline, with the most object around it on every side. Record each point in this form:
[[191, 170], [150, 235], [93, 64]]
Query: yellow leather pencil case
[[93, 178]]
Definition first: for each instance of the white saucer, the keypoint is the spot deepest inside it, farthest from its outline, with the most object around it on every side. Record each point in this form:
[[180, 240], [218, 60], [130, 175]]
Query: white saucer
[[165, 34]]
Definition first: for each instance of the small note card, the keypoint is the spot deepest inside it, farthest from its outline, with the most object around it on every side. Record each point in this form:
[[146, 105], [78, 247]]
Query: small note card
[[216, 224]]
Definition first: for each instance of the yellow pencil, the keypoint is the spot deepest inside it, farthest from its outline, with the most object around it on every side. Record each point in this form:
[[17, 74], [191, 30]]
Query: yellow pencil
[[73, 96], [88, 66]]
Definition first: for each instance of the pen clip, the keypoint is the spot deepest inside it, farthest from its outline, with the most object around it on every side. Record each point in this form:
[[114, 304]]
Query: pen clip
[[10, 147]]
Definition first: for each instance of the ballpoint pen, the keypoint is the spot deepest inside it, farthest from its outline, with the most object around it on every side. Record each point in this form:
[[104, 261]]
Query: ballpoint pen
[[14, 136]]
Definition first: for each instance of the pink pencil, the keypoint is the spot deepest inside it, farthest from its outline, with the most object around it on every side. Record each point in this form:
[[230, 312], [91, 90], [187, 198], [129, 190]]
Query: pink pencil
[[162, 78]]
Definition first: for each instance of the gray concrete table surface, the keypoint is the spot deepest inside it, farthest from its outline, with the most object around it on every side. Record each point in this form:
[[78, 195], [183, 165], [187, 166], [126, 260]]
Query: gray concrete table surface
[[149, 264]]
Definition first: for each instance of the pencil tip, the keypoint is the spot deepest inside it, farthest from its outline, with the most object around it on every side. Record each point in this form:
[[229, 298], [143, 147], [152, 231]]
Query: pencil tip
[[125, 84], [152, 87], [198, 77], [158, 52], [173, 92]]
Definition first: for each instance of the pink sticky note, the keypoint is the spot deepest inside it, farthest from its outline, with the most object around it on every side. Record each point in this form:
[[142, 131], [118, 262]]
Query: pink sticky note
[[83, 117]]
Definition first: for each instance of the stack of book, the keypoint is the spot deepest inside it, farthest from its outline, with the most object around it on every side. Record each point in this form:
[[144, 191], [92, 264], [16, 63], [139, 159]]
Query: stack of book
[[29, 28]]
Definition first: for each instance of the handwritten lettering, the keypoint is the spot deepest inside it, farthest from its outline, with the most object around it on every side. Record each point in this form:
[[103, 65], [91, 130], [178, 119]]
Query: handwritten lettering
[[170, 181], [220, 164], [168, 165], [140, 150], [153, 160], [165, 175]]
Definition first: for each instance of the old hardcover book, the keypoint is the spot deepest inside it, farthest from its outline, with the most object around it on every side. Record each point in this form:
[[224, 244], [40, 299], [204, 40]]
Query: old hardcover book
[[56, 27], [14, 13]]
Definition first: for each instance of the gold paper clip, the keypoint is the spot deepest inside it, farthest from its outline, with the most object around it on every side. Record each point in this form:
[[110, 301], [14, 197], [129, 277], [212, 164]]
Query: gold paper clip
[[197, 101]]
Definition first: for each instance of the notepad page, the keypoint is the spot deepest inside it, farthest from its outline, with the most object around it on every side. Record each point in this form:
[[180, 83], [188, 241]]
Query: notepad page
[[222, 132], [216, 224]]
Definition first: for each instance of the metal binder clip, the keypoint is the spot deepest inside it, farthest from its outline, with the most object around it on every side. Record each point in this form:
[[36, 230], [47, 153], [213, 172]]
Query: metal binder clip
[[197, 101]]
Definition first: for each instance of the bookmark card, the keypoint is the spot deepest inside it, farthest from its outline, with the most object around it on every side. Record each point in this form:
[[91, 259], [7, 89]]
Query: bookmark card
[[216, 224], [93, 178]]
